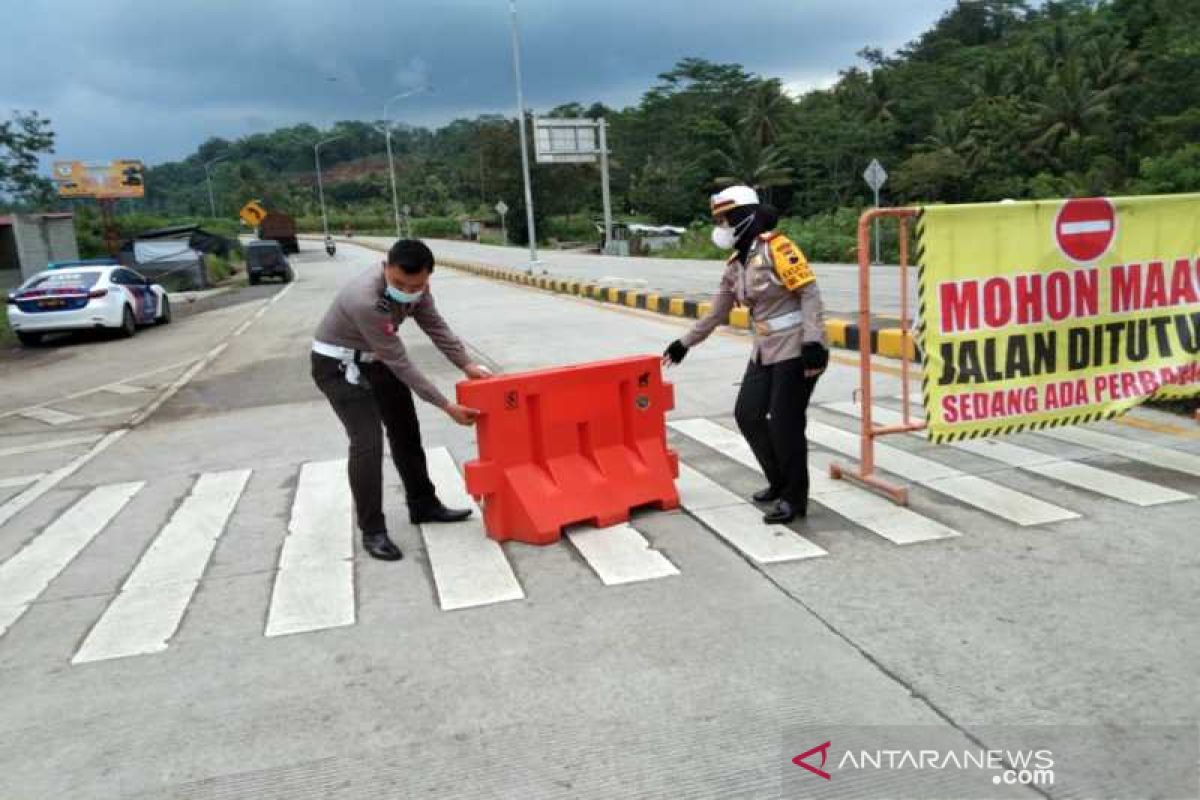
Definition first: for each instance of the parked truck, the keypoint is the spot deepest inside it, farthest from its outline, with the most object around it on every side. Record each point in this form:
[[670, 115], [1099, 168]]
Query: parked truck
[[281, 228]]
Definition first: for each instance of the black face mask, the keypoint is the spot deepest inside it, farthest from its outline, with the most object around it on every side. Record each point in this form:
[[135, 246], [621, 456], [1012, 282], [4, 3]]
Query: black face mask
[[745, 220]]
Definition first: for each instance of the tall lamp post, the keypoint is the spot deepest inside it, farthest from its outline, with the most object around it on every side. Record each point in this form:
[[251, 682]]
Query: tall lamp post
[[516, 44], [320, 186], [387, 132], [212, 204]]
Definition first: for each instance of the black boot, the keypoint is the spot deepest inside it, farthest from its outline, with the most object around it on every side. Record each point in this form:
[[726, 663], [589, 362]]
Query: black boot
[[434, 511], [378, 545], [783, 513], [767, 495]]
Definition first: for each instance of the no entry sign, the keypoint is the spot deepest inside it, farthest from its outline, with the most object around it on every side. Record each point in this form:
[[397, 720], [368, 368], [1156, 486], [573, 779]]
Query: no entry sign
[[1085, 228]]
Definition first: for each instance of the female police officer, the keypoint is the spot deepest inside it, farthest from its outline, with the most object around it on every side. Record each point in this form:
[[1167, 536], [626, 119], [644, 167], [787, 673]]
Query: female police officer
[[768, 274]]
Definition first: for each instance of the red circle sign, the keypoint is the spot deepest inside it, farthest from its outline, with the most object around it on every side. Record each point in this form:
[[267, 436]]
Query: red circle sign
[[1085, 228]]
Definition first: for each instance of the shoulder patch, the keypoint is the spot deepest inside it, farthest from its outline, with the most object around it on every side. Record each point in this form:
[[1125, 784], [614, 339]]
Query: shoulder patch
[[790, 264]]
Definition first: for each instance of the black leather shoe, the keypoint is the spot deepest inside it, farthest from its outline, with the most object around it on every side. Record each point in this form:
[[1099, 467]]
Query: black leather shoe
[[767, 495], [378, 545], [436, 512], [783, 513]]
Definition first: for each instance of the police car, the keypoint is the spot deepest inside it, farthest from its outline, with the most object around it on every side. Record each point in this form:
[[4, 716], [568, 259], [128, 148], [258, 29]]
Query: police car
[[74, 296]]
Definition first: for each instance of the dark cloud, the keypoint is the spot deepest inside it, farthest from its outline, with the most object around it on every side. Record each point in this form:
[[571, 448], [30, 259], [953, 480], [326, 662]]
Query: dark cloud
[[153, 79]]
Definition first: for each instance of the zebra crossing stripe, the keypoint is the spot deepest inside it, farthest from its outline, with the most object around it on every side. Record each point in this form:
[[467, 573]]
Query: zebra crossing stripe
[[897, 524], [994, 498], [740, 523], [1165, 457], [146, 613], [1083, 476], [25, 575], [620, 554], [314, 587], [469, 569]]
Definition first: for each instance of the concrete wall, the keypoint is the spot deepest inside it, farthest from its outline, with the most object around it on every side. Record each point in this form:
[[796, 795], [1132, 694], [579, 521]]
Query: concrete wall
[[41, 239]]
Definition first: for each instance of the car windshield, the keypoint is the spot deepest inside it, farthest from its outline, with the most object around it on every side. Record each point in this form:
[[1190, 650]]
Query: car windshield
[[63, 280]]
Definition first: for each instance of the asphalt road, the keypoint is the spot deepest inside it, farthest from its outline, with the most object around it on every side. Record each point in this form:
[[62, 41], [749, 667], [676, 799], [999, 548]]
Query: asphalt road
[[182, 614], [694, 278]]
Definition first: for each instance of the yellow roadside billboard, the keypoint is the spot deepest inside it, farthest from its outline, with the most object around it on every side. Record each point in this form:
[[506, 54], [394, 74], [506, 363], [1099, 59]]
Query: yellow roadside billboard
[[100, 179]]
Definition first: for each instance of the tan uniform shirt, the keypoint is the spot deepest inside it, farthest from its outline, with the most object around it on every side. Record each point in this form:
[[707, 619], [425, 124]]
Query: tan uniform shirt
[[756, 286], [362, 318]]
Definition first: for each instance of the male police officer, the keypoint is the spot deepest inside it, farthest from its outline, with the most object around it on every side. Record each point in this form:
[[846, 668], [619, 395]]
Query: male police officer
[[359, 364]]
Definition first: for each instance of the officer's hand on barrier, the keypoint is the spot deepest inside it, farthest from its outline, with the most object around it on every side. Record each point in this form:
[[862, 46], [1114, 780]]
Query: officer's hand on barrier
[[477, 371], [674, 353], [815, 357], [462, 415]]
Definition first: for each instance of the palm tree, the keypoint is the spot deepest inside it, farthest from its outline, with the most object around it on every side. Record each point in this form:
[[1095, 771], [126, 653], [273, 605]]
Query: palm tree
[[1070, 107], [747, 161], [765, 112]]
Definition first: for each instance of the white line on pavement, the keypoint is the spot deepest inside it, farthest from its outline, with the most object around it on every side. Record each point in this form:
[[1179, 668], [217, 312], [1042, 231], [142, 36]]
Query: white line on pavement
[[50, 416], [620, 554], [314, 588], [122, 388], [20, 480], [52, 479], [1073, 473], [144, 616], [1008, 504], [1155, 455], [740, 523], [55, 444], [469, 569], [878, 515], [25, 575]]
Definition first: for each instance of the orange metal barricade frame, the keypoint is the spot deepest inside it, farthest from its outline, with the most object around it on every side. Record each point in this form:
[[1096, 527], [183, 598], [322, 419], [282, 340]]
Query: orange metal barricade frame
[[865, 472]]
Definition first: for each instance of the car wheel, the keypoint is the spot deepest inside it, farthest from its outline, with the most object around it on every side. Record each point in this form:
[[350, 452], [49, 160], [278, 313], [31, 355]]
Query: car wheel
[[128, 324], [29, 339], [165, 317]]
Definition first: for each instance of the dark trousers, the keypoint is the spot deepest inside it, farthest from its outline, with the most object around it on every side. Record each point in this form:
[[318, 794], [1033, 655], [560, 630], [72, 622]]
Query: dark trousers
[[771, 413], [379, 397]]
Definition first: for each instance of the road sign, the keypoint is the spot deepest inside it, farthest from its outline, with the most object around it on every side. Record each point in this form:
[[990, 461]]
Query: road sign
[[253, 214], [566, 141], [100, 179], [406, 209], [502, 208], [1085, 228], [875, 175]]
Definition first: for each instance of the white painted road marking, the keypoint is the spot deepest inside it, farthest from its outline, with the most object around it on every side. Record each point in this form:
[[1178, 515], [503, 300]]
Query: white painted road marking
[[994, 498], [38, 447], [49, 416], [469, 569], [620, 554], [740, 523], [314, 588], [1155, 455], [1073, 473], [146, 613], [122, 388], [20, 480], [878, 515], [22, 501], [26, 575]]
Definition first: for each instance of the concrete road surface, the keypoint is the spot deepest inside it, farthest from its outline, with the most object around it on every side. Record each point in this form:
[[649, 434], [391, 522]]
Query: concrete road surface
[[694, 278], [185, 611]]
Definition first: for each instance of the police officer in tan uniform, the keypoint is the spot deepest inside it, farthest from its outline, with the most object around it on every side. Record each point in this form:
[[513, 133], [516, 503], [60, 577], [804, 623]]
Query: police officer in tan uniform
[[770, 276], [360, 365]]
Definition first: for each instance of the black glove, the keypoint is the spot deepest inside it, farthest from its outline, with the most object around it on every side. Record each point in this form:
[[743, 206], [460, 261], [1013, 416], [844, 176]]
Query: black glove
[[675, 351], [814, 356]]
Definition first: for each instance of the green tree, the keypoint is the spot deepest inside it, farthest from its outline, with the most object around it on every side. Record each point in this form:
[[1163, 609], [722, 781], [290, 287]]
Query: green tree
[[23, 138]]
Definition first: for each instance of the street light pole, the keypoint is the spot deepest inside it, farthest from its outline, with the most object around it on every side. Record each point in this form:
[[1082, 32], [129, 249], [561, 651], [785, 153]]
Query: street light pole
[[387, 134], [320, 186], [212, 204], [516, 44]]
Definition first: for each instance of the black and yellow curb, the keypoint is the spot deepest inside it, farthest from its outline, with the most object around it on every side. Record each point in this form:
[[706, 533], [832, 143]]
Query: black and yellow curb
[[840, 333]]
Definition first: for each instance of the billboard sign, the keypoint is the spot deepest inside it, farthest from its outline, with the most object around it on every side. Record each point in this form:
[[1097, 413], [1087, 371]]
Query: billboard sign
[[100, 179], [566, 141]]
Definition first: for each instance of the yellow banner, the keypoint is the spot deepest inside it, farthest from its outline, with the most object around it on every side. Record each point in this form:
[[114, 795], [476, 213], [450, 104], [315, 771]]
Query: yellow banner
[[1056, 312]]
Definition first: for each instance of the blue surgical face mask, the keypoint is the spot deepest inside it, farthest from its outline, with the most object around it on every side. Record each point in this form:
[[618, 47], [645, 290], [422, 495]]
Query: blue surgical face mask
[[403, 297]]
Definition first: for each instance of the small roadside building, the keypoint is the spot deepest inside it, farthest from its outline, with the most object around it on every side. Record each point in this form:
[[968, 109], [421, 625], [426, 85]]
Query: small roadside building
[[28, 242]]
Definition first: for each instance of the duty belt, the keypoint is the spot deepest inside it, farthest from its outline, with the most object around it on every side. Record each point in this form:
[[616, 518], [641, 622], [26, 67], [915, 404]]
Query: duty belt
[[349, 357], [783, 322]]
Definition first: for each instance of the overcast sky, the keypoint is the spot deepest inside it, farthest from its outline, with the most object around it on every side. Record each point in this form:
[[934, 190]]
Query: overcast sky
[[152, 79]]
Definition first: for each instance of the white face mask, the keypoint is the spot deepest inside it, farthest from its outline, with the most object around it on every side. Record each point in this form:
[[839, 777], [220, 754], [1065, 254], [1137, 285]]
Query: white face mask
[[724, 237]]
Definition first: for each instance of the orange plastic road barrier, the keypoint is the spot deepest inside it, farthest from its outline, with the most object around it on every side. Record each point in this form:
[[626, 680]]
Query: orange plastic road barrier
[[584, 443]]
